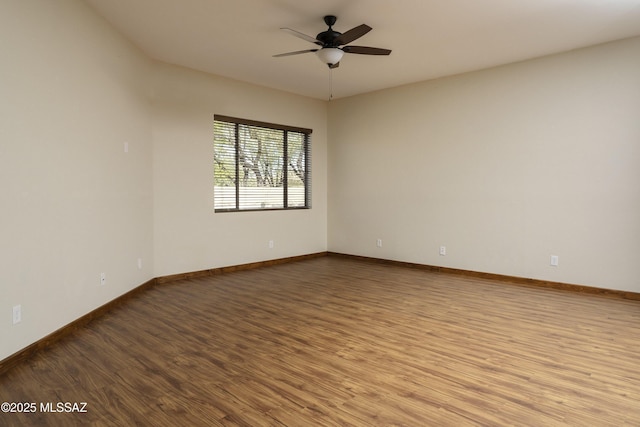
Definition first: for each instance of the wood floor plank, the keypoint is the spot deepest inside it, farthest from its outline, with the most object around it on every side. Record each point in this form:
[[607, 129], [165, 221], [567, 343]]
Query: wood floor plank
[[336, 341]]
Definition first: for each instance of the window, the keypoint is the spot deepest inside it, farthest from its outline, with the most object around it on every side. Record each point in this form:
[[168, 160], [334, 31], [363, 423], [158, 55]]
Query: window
[[260, 166]]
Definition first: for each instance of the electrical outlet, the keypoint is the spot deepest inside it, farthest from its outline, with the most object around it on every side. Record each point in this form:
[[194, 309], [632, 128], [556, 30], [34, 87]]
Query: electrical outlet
[[554, 260], [379, 243], [103, 278], [139, 263], [17, 314], [271, 244], [443, 250]]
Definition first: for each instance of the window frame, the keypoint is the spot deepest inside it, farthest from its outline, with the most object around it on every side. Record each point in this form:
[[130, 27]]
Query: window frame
[[265, 125]]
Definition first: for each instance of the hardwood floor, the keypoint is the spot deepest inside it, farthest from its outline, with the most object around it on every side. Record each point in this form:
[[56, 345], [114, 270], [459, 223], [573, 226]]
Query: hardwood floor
[[336, 341]]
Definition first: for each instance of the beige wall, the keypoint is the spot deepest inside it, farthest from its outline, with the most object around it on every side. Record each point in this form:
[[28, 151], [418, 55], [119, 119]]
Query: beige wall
[[189, 236], [504, 167], [74, 204]]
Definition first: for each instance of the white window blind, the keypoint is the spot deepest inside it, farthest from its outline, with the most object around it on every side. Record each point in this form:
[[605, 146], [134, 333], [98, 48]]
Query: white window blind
[[260, 166]]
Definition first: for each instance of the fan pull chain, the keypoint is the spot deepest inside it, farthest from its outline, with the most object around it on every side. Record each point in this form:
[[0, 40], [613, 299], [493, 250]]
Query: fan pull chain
[[330, 84]]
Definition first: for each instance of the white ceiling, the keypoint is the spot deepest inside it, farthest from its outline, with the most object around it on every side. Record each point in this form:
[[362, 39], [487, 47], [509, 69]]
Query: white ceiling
[[429, 38]]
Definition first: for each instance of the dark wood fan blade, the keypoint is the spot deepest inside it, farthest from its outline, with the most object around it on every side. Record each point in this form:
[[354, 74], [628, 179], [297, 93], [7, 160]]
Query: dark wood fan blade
[[298, 52], [336, 65], [365, 50], [352, 34], [302, 36]]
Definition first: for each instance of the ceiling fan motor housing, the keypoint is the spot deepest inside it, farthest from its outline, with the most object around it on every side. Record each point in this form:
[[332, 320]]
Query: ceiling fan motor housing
[[329, 36]]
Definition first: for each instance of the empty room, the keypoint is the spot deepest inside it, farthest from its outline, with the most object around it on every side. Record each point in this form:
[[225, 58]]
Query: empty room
[[336, 213]]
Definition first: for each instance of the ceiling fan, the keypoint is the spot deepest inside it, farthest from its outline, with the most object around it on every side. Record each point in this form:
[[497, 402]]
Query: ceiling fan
[[330, 41]]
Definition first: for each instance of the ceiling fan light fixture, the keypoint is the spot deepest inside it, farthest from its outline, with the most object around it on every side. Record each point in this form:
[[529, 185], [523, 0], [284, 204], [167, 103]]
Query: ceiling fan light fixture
[[330, 55]]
